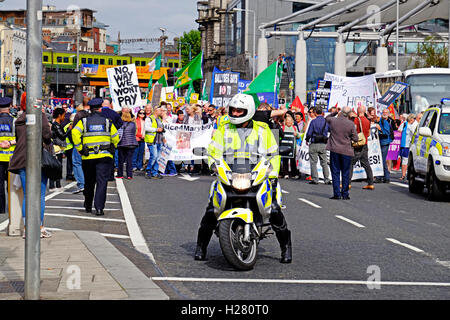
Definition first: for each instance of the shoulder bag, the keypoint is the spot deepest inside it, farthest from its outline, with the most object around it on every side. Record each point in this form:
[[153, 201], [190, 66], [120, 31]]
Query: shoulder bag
[[361, 137]]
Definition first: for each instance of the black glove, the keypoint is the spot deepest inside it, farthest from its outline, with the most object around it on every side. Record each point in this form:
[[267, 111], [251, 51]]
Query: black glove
[[85, 151], [112, 149]]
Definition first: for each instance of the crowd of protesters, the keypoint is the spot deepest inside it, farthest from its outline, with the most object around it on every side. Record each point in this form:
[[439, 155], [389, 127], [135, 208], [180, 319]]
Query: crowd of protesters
[[329, 140]]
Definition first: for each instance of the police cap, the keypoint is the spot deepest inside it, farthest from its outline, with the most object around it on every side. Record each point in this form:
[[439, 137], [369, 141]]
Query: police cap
[[5, 102], [95, 103]]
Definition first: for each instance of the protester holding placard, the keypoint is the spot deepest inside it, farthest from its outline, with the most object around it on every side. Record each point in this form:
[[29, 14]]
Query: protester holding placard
[[289, 164]]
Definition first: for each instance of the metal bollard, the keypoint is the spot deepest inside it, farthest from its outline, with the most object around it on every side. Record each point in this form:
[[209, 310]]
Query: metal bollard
[[15, 200]]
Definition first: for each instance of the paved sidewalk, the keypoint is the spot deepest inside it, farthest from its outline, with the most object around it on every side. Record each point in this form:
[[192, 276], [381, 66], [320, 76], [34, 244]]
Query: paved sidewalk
[[75, 265]]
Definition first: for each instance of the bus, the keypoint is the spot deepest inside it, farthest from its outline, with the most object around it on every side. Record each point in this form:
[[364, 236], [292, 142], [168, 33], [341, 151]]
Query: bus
[[427, 86]]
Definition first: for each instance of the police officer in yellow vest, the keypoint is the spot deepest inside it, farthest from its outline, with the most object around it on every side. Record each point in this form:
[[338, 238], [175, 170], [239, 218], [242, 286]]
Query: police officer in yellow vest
[[242, 134], [69, 149], [96, 138], [7, 146]]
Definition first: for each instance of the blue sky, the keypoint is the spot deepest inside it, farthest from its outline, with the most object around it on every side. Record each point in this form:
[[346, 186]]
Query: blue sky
[[133, 18]]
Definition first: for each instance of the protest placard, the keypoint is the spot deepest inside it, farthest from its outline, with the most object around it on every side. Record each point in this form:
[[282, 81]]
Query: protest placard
[[162, 161], [394, 147], [224, 86], [374, 154], [182, 138], [352, 91], [322, 96], [393, 93], [124, 86]]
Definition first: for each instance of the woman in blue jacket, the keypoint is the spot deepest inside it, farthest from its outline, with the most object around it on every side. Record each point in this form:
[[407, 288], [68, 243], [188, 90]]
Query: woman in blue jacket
[[384, 132]]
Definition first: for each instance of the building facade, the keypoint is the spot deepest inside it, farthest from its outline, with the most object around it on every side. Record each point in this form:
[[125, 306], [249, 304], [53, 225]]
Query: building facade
[[13, 47]]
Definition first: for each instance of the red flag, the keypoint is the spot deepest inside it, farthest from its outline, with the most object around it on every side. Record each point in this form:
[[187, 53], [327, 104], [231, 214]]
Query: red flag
[[297, 104]]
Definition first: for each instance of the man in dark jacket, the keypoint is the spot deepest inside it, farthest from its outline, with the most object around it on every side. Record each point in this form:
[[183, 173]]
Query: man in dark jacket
[[342, 133], [317, 138], [108, 112]]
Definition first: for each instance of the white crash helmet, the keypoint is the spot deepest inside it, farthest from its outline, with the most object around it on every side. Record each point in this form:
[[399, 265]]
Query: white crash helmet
[[242, 101]]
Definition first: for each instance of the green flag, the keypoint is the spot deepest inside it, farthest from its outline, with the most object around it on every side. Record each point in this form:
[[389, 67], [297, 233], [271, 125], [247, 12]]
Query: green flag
[[155, 64], [204, 93], [189, 92], [191, 72], [163, 81], [267, 81]]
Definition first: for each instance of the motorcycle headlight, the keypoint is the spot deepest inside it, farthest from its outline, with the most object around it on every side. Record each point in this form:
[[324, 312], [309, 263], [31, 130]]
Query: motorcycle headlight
[[241, 181], [445, 149]]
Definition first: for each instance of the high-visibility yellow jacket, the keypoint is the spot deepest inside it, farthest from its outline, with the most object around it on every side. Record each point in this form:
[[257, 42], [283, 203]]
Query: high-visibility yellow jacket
[[7, 133], [68, 140], [150, 131], [97, 133], [243, 143]]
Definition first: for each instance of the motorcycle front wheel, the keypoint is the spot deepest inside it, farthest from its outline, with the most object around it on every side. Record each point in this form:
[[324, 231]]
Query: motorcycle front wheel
[[240, 254]]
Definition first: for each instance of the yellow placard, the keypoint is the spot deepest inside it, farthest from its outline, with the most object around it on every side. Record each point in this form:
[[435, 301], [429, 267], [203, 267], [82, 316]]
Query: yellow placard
[[169, 96], [181, 101], [194, 98]]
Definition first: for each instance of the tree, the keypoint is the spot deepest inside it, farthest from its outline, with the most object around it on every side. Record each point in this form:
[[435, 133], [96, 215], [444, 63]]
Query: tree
[[193, 38], [430, 54]]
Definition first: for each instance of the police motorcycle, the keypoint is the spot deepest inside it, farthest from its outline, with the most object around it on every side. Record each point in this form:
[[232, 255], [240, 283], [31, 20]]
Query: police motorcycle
[[242, 200]]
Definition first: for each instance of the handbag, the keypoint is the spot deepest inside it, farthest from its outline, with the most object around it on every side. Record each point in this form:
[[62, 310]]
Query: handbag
[[361, 137], [51, 166], [321, 138]]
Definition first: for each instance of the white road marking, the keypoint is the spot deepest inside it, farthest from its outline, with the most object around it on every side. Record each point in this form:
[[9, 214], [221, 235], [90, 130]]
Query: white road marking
[[310, 203], [187, 177], [135, 232], [4, 225], [117, 236], [54, 194], [405, 245], [83, 217], [350, 221], [78, 200], [108, 194], [107, 235], [400, 184], [284, 191], [76, 208], [330, 282]]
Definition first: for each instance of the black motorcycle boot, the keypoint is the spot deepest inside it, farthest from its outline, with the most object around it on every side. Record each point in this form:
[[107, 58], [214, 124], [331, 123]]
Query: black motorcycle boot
[[203, 238], [284, 238]]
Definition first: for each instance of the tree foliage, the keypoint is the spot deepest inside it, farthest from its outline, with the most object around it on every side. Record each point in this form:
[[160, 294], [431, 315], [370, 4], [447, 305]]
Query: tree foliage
[[193, 38], [430, 54]]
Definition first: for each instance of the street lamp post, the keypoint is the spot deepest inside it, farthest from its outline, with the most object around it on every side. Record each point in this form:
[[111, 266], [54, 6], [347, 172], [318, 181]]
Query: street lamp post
[[17, 63], [254, 37]]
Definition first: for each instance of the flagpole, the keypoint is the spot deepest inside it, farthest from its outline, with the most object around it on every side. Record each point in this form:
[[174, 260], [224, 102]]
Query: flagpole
[[275, 85]]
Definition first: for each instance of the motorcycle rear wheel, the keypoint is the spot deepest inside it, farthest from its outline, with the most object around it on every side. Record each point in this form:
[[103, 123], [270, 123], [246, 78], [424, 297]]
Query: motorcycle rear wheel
[[239, 254]]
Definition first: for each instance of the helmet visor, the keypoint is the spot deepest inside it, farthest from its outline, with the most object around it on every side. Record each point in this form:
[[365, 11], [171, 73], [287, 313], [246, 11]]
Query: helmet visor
[[237, 112]]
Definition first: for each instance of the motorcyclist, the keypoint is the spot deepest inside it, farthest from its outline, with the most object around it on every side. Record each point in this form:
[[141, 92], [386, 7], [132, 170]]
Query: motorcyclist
[[228, 137]]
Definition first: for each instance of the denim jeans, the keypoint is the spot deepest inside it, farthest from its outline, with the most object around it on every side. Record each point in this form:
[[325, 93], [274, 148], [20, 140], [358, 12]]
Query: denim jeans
[[23, 176], [170, 167], [138, 157], [340, 164], [77, 168], [155, 153], [384, 153]]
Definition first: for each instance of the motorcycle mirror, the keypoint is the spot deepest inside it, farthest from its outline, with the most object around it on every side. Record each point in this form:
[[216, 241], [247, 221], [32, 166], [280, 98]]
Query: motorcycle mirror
[[199, 151]]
